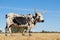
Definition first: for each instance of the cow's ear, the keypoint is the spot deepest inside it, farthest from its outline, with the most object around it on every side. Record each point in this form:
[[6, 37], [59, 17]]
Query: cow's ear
[[36, 14]]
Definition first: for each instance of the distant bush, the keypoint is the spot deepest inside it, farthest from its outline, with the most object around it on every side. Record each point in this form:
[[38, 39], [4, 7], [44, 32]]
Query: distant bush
[[43, 31]]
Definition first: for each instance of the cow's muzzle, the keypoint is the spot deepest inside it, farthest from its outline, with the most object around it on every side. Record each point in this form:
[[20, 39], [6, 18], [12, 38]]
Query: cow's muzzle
[[42, 21]]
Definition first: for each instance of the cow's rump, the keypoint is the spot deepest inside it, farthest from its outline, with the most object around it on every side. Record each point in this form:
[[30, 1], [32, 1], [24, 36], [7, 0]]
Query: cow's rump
[[20, 20]]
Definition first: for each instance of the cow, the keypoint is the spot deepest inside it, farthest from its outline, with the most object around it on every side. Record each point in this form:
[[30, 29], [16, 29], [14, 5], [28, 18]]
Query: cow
[[25, 21]]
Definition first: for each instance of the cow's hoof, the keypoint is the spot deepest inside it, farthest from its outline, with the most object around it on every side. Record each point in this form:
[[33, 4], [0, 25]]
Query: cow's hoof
[[11, 35], [30, 35], [5, 34], [23, 34]]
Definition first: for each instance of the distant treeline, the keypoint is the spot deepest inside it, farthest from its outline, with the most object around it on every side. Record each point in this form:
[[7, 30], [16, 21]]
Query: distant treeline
[[46, 32]]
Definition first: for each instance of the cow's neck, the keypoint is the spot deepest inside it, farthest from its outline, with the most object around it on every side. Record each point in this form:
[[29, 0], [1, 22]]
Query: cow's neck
[[35, 21]]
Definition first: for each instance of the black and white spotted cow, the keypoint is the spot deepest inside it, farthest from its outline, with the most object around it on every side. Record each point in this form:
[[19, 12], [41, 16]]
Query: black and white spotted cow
[[25, 21]]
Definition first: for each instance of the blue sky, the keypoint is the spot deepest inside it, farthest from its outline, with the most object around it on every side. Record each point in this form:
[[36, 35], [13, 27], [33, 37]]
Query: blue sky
[[51, 17]]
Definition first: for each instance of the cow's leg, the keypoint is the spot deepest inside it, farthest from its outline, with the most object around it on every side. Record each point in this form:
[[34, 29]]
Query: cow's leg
[[10, 31], [25, 30], [29, 30], [6, 29]]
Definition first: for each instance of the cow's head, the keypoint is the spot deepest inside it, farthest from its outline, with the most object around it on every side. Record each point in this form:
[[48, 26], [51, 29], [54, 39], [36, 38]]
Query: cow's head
[[39, 16]]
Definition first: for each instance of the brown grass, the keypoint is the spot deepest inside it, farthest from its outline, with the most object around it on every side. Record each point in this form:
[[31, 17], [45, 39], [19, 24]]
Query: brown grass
[[35, 36]]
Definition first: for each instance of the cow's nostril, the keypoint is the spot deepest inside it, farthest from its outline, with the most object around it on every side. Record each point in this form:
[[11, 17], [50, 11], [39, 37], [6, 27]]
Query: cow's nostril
[[42, 21]]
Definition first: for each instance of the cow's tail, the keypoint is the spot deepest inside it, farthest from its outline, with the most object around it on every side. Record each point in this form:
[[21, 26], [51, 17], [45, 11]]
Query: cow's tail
[[6, 16], [6, 28]]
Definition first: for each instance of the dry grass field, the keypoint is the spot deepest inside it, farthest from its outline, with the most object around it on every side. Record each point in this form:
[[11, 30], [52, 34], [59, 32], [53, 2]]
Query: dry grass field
[[35, 36]]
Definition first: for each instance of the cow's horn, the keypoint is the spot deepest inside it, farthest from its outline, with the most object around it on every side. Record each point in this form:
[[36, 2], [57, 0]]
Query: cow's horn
[[35, 11], [43, 11]]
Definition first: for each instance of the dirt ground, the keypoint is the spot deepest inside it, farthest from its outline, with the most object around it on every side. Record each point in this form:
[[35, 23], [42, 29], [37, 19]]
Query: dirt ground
[[35, 36]]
